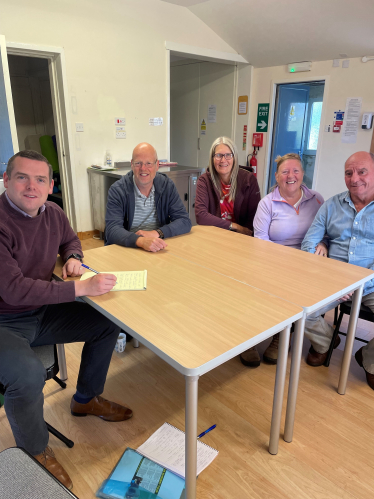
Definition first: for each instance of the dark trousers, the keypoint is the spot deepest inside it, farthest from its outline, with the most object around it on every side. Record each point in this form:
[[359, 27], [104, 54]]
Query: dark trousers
[[23, 375]]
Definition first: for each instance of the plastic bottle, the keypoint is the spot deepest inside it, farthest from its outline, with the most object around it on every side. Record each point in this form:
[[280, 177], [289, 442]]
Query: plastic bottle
[[108, 160]]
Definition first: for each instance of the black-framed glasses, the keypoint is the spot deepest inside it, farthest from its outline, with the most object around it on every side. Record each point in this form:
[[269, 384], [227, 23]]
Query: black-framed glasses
[[219, 156]]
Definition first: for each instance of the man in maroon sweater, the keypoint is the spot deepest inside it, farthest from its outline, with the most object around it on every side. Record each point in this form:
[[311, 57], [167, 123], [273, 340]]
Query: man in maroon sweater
[[36, 311]]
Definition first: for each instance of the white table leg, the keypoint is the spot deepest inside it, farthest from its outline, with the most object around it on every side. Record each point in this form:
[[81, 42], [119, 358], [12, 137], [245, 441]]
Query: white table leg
[[191, 435], [135, 343], [351, 332], [62, 362], [279, 390], [297, 347]]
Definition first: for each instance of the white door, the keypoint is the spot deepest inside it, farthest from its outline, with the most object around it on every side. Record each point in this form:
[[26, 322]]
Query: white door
[[8, 132], [217, 87], [194, 87], [184, 109]]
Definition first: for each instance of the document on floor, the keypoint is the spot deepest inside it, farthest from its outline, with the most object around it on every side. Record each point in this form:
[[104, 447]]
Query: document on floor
[[167, 448], [134, 280]]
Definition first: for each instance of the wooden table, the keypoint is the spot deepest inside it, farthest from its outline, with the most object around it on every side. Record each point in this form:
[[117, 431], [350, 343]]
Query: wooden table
[[195, 319], [302, 278]]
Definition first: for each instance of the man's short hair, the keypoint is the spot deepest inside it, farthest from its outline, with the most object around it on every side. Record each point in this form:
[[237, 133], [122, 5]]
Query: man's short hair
[[29, 154]]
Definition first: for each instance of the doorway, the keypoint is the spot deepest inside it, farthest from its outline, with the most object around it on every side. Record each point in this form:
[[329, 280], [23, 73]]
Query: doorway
[[201, 108], [33, 111], [297, 118]]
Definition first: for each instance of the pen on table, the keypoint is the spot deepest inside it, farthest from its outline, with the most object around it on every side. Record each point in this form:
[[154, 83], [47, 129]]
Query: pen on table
[[206, 431], [89, 268]]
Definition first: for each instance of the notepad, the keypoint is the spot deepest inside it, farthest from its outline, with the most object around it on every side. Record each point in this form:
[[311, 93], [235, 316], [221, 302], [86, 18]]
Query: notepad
[[132, 280], [166, 447]]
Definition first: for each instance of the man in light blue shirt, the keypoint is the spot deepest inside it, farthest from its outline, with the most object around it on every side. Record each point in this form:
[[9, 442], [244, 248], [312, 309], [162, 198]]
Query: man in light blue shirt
[[347, 219]]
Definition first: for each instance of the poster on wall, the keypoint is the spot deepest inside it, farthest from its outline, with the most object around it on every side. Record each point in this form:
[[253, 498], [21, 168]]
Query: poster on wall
[[212, 113], [351, 120]]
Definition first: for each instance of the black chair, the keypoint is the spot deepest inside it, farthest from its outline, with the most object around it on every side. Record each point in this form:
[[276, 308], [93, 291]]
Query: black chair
[[345, 308], [22, 476], [48, 356]]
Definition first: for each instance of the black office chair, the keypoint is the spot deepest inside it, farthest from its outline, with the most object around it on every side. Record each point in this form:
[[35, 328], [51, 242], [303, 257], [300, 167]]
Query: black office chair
[[22, 476], [345, 308], [48, 356]]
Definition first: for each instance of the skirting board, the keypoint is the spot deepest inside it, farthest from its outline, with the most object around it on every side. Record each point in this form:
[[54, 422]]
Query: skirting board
[[88, 234]]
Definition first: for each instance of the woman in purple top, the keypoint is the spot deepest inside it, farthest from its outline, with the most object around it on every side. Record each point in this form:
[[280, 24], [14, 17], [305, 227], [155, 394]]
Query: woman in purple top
[[284, 217]]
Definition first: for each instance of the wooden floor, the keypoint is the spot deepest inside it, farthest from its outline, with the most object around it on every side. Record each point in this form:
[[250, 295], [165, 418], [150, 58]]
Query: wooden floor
[[332, 455]]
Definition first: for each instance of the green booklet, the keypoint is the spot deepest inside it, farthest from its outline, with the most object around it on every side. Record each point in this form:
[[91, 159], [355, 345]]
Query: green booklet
[[136, 476]]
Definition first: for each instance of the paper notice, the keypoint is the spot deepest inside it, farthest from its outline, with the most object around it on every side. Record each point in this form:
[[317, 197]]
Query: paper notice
[[212, 113], [351, 120]]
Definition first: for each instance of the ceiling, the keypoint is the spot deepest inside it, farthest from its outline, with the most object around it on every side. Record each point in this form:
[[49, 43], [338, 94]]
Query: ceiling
[[276, 32]]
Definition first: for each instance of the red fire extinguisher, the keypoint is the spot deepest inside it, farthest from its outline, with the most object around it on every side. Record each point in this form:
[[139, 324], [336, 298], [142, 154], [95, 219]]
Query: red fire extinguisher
[[253, 162]]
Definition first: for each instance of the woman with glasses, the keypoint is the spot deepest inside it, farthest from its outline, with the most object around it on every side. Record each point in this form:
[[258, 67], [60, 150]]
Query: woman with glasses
[[285, 215], [226, 195]]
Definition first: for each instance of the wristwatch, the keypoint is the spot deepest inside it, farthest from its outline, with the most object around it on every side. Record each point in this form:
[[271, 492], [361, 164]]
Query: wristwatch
[[160, 233], [76, 256], [231, 228]]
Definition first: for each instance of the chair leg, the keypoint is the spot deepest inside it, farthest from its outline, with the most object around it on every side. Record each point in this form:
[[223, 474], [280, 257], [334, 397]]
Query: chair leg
[[60, 436], [336, 332], [336, 310], [59, 381]]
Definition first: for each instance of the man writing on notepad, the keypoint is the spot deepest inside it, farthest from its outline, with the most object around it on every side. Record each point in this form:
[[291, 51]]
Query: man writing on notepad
[[36, 311], [144, 206]]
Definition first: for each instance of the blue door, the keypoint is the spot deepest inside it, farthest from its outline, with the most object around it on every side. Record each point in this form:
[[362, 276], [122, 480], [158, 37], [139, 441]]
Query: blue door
[[291, 107]]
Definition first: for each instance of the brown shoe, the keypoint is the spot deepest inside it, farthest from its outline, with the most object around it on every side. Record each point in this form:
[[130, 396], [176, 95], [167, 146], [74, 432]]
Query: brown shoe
[[369, 376], [271, 353], [316, 359], [50, 463], [250, 357], [102, 408]]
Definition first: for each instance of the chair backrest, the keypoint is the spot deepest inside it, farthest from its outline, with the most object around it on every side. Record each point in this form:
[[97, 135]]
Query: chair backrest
[[22, 477]]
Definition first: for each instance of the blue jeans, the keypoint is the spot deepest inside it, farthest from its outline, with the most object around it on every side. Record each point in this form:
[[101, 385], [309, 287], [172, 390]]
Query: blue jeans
[[23, 375]]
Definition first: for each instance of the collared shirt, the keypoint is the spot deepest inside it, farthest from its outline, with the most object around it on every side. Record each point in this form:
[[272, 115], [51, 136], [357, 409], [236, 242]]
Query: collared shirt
[[41, 209], [350, 235], [145, 216]]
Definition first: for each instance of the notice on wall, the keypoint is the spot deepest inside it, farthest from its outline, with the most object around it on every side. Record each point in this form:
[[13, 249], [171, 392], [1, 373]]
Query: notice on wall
[[203, 127], [212, 113], [351, 120], [243, 104], [155, 121]]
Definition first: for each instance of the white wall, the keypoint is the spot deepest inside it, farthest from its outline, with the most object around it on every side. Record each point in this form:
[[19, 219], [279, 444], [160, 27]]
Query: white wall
[[116, 65], [341, 83]]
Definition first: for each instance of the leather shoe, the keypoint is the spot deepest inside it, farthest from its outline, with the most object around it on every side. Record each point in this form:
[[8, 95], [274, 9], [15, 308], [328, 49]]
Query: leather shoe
[[250, 357], [369, 376], [102, 408], [50, 463], [316, 359]]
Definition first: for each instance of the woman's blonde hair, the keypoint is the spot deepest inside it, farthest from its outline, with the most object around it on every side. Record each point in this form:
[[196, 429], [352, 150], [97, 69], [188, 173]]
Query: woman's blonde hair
[[235, 167], [281, 159]]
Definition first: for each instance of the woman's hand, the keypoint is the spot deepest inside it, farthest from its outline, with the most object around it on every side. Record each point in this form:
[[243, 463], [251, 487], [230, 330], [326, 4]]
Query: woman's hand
[[241, 229], [321, 249]]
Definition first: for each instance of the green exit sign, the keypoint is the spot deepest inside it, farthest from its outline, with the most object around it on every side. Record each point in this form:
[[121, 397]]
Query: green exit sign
[[262, 118]]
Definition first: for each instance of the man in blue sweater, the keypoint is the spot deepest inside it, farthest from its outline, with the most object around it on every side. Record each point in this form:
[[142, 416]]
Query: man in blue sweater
[[144, 206]]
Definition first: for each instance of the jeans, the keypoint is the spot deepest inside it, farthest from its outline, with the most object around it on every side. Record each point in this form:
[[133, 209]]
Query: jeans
[[23, 375], [320, 333]]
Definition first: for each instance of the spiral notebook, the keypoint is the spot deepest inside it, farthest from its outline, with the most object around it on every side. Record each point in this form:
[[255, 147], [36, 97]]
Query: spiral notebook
[[166, 447]]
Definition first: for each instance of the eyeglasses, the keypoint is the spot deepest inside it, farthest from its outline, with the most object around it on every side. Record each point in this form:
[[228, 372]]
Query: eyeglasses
[[139, 164], [219, 156]]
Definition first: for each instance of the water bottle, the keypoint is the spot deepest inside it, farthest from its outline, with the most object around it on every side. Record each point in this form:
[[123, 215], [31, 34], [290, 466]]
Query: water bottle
[[108, 160]]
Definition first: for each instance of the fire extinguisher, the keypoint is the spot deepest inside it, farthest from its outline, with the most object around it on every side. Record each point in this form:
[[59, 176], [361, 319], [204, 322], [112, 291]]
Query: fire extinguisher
[[253, 162]]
